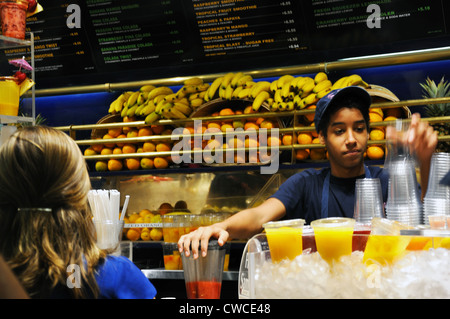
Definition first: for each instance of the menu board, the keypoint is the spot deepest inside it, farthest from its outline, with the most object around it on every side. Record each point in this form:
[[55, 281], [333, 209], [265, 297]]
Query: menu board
[[129, 40]]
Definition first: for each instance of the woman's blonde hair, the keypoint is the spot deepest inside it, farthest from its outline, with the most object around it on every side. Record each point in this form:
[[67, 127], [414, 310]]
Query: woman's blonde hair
[[45, 221]]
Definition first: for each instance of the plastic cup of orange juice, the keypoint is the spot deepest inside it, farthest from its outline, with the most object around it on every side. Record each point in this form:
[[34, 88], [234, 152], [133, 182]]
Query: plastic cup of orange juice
[[284, 238], [13, 15], [334, 237]]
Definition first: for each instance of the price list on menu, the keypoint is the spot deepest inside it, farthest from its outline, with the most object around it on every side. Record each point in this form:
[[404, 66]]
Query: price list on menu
[[136, 33], [234, 27], [58, 49]]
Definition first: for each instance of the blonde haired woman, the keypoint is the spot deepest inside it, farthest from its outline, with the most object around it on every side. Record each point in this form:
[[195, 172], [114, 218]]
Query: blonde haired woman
[[46, 225]]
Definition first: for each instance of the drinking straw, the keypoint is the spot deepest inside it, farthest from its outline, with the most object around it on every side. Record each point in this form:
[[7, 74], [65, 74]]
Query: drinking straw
[[125, 206]]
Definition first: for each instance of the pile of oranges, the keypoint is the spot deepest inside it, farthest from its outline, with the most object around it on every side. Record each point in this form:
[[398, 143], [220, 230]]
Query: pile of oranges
[[132, 163], [248, 141], [145, 216]]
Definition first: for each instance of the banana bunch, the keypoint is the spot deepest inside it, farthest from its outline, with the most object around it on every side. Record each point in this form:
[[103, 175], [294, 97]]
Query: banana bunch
[[351, 80], [230, 86]]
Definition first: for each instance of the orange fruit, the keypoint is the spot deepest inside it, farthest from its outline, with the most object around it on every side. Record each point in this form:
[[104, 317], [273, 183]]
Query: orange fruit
[[213, 144], [107, 136], [145, 131], [273, 141], [121, 136], [377, 110], [167, 131], [89, 151], [133, 234], [201, 129], [268, 124], [304, 138], [375, 117], [147, 163], [144, 212], [390, 118], [251, 142], [376, 134], [235, 143], [133, 132], [145, 235], [287, 139], [302, 154], [133, 217], [115, 165], [310, 116], [160, 162], [148, 147], [132, 163], [213, 126], [226, 127], [117, 150], [115, 131], [140, 149], [101, 166], [251, 126], [259, 120], [157, 129], [106, 151], [375, 152], [226, 111], [163, 147], [314, 133], [97, 147], [129, 148], [156, 234]]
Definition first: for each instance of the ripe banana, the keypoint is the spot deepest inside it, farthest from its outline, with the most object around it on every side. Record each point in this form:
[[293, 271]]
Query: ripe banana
[[227, 79], [259, 99], [147, 88], [308, 87], [285, 90], [282, 106], [175, 113], [214, 87], [244, 79], [356, 79], [229, 92], [141, 99], [322, 86], [132, 110], [193, 81], [277, 96], [147, 109], [132, 99], [245, 93], [284, 79], [290, 106], [339, 83], [310, 99], [160, 106], [124, 111], [196, 102], [159, 91], [274, 106], [236, 78], [302, 82], [320, 77], [273, 86], [222, 92], [322, 93], [152, 117], [171, 97], [236, 92], [259, 87], [159, 98], [249, 84], [295, 81]]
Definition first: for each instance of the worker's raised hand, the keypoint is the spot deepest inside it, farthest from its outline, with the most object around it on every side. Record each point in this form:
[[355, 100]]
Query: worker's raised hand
[[200, 237]]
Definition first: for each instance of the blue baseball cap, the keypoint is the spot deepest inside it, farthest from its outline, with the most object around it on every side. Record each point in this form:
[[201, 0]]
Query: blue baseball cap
[[329, 100]]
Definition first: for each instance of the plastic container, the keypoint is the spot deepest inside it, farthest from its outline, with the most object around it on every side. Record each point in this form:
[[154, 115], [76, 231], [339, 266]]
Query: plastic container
[[285, 238], [13, 14], [203, 275]]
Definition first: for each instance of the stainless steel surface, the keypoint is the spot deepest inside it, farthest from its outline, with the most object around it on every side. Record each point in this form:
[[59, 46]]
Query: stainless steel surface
[[161, 273]]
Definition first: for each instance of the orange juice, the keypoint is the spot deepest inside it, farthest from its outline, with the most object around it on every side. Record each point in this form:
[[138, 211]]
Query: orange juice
[[9, 93], [333, 237], [285, 239], [385, 249]]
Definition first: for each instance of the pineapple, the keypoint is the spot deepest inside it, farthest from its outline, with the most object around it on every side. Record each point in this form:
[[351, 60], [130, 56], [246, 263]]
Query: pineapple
[[431, 90]]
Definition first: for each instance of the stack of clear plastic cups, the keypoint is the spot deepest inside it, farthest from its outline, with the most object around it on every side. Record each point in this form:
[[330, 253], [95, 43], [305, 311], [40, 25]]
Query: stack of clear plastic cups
[[437, 198], [403, 204], [368, 200]]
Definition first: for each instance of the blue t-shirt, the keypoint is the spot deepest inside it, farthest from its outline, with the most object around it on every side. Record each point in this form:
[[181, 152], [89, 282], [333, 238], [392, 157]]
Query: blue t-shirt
[[301, 194], [119, 278]]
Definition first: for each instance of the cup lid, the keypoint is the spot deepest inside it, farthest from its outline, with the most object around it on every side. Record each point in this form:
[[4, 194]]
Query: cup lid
[[285, 223], [332, 222]]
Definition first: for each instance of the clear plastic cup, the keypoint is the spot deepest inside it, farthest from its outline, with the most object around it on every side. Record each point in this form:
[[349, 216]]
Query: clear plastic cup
[[172, 257], [285, 238], [438, 221], [203, 275], [333, 237], [109, 233], [385, 244], [368, 200], [13, 15]]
